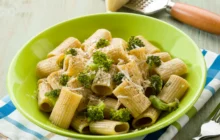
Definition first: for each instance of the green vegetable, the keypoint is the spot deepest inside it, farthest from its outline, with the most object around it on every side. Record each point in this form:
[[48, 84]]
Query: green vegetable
[[134, 43], [86, 79], [122, 115], [94, 67], [53, 93], [117, 78], [157, 103], [100, 60], [71, 51], [96, 113], [156, 83], [102, 43], [63, 79], [153, 61]]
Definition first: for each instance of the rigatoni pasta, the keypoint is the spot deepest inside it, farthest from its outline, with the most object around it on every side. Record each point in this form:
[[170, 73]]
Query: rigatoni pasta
[[107, 127], [65, 108], [120, 42], [70, 42], [44, 103], [132, 97], [164, 56], [102, 84], [110, 104], [174, 66], [86, 96], [74, 83], [74, 65], [140, 53], [150, 48], [54, 79], [116, 51], [90, 44], [175, 88], [80, 124], [49, 65], [147, 118], [105, 85], [132, 72]]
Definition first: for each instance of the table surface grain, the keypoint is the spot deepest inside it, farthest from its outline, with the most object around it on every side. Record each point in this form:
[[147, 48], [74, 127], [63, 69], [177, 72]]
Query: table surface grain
[[20, 20]]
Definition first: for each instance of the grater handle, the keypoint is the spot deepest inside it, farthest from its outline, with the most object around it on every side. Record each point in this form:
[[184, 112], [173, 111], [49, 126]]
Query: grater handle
[[196, 17]]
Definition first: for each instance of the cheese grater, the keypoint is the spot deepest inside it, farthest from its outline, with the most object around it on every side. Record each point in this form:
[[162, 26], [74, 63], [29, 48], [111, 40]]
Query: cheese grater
[[149, 6], [191, 15]]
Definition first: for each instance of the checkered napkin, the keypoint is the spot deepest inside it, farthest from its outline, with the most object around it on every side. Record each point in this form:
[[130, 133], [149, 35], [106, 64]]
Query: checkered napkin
[[15, 127]]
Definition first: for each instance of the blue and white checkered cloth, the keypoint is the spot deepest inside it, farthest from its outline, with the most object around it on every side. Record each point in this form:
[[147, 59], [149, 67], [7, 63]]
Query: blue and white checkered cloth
[[15, 127]]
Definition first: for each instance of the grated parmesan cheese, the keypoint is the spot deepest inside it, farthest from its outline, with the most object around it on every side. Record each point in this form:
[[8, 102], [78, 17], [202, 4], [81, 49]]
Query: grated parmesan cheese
[[122, 97]]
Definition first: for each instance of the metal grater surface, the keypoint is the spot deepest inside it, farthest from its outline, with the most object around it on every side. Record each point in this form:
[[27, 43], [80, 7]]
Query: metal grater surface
[[147, 6]]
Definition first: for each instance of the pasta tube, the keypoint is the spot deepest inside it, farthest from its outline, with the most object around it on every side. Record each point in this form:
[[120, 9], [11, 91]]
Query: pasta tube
[[175, 88], [70, 42], [174, 66], [140, 53], [80, 124], [90, 44], [150, 48], [86, 94], [116, 51], [110, 103], [108, 127], [120, 41], [164, 56], [132, 97], [74, 83], [132, 72], [147, 118], [144, 69], [74, 65], [44, 103], [102, 84], [49, 65], [113, 70], [65, 108], [54, 78]]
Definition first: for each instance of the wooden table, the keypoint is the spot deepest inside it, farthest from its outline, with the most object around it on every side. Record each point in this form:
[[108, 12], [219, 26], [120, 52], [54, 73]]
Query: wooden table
[[22, 19]]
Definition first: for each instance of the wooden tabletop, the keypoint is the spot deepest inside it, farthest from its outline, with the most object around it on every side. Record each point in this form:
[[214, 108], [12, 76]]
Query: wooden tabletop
[[20, 20]]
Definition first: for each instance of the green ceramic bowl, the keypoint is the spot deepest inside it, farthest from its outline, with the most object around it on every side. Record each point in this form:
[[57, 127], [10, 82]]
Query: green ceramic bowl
[[22, 78]]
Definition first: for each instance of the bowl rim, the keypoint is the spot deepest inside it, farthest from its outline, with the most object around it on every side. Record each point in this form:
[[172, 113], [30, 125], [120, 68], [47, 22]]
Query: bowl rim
[[127, 135]]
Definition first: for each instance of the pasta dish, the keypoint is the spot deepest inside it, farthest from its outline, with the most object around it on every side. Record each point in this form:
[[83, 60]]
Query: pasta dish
[[108, 86]]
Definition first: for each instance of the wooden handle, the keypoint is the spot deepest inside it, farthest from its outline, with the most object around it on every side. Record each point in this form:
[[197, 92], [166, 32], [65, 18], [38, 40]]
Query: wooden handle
[[197, 17]]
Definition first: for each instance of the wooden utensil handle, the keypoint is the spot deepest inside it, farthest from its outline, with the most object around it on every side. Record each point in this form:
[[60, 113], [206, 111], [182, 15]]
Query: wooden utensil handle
[[196, 17]]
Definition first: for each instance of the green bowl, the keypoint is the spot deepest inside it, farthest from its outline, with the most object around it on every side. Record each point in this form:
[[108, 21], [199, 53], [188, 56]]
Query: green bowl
[[22, 80]]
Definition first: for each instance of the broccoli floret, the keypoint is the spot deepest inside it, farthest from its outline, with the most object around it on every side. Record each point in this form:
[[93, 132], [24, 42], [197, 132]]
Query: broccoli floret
[[86, 79], [93, 66], [102, 43], [100, 60], [122, 115], [134, 43], [63, 79], [71, 51], [156, 83], [96, 113], [53, 93], [157, 103], [153, 61], [117, 78]]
